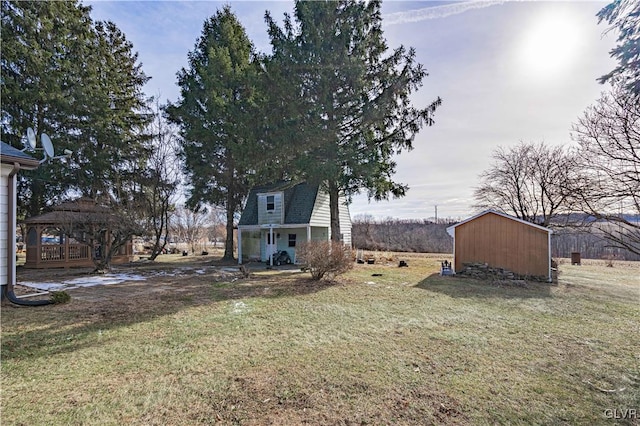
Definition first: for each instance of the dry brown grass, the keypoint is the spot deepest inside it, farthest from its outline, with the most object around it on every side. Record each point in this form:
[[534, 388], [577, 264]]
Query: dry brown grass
[[381, 345]]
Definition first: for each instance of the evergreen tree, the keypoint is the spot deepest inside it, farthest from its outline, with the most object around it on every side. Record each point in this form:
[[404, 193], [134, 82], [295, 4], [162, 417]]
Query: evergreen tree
[[218, 117], [348, 99], [42, 48], [624, 17], [114, 146], [78, 82]]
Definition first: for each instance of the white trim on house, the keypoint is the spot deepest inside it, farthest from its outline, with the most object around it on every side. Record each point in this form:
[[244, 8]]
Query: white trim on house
[[11, 162]]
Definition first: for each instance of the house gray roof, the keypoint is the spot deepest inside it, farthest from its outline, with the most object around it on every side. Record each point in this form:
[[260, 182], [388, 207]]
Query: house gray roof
[[299, 200], [10, 155]]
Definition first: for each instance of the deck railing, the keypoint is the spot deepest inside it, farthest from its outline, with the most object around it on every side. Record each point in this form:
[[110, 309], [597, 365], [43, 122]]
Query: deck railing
[[53, 253]]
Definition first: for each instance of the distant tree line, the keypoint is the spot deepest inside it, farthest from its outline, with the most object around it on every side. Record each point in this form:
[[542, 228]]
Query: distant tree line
[[401, 235], [590, 245], [427, 236]]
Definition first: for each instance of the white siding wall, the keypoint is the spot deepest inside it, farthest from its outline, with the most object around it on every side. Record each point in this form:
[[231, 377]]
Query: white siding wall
[[5, 239], [345, 222], [275, 216], [321, 216]]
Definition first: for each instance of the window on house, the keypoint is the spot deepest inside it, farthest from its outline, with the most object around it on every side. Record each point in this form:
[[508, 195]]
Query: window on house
[[292, 240], [271, 202]]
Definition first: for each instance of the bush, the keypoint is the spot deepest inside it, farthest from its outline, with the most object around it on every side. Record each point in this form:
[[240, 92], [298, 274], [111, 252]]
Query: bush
[[58, 297], [322, 258]]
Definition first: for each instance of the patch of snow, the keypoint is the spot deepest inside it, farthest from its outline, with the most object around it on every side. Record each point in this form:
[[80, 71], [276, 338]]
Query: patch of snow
[[88, 281], [166, 273], [239, 307]]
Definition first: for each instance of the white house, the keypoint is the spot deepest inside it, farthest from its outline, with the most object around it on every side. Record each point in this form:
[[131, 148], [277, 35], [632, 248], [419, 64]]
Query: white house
[[279, 216], [12, 161]]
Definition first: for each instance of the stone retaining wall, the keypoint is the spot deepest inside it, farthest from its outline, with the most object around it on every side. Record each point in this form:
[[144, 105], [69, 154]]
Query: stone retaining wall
[[483, 271]]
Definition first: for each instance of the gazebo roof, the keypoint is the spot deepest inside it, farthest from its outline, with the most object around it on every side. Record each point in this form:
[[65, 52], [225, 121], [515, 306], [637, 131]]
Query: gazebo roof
[[82, 209]]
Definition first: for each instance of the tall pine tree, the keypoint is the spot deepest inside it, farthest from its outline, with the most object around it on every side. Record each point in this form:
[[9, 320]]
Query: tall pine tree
[[217, 115], [114, 146], [351, 98]]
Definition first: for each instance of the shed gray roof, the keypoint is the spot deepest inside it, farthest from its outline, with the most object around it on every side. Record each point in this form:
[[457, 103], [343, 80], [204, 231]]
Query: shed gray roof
[[299, 200], [451, 229], [10, 155]]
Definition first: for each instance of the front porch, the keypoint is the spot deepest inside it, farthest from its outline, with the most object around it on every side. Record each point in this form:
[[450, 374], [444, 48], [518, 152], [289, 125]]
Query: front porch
[[258, 243]]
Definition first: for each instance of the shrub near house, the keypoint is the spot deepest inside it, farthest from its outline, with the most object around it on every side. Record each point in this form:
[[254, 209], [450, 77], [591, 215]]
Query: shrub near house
[[325, 258]]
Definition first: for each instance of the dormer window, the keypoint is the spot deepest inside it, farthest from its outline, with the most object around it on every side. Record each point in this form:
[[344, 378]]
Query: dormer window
[[271, 203]]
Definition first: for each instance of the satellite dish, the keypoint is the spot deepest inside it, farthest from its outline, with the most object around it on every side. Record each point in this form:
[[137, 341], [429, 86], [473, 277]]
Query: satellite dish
[[31, 138], [47, 145]]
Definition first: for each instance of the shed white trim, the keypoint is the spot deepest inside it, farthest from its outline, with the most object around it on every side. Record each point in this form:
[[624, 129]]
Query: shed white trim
[[451, 229]]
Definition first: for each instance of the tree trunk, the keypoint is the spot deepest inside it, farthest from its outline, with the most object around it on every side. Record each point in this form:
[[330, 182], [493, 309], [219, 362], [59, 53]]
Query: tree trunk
[[161, 232], [228, 244], [102, 259], [334, 207]]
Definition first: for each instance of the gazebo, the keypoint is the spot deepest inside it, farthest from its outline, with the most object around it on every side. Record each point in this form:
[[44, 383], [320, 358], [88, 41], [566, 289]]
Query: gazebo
[[48, 246]]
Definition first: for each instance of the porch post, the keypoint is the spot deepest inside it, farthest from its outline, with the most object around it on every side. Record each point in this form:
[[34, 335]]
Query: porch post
[[270, 246], [239, 246]]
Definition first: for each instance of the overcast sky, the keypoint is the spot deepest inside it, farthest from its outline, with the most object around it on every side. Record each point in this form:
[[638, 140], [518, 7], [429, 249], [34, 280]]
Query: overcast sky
[[506, 72]]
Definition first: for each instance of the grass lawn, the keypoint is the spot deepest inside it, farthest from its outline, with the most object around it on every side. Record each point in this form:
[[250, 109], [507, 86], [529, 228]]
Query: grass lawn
[[380, 345]]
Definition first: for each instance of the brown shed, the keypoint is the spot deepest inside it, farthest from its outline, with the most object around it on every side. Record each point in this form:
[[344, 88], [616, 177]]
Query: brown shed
[[502, 241]]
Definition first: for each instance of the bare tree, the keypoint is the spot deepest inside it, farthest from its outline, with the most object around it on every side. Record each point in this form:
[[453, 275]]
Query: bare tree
[[217, 224], [161, 180], [608, 183], [529, 181], [105, 228], [189, 226]]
